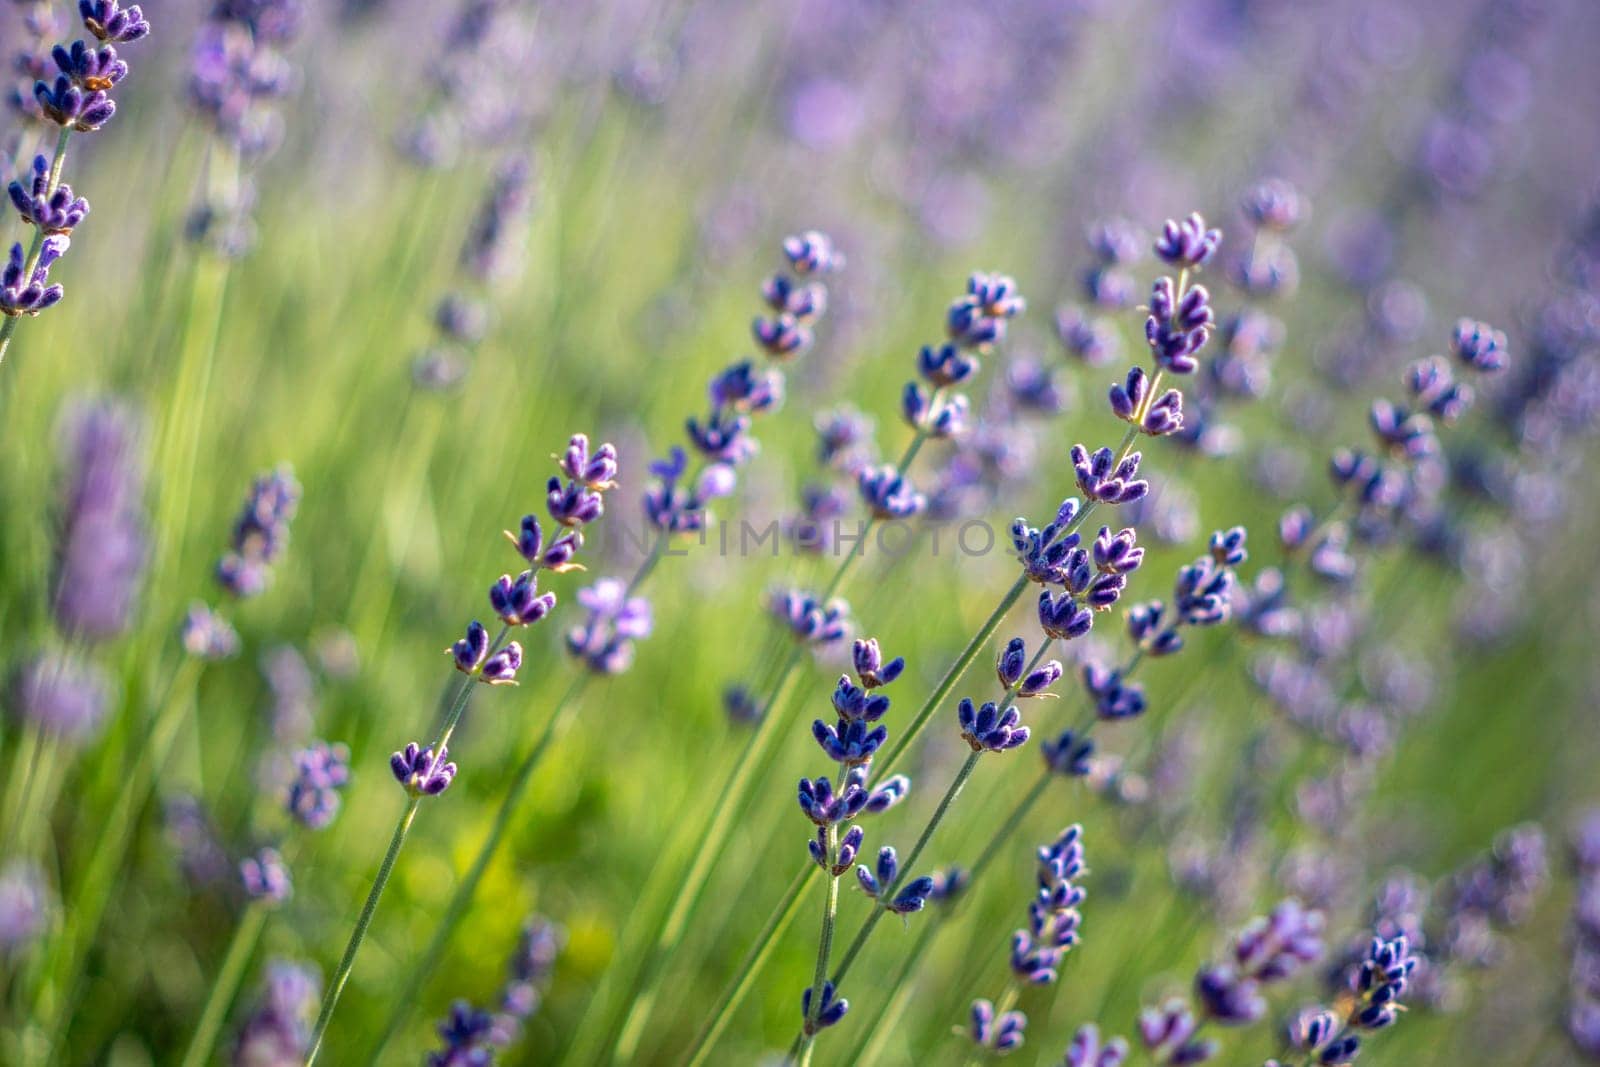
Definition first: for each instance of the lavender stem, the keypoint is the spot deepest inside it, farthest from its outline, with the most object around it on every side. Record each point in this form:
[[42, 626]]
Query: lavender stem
[[245, 936]]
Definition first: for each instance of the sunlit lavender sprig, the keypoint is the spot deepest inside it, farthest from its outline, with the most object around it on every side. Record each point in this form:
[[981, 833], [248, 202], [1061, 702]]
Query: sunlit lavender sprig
[[851, 741], [1178, 323], [974, 324], [574, 498], [77, 99], [1333, 1037], [677, 499], [260, 533], [238, 75], [1268, 951]]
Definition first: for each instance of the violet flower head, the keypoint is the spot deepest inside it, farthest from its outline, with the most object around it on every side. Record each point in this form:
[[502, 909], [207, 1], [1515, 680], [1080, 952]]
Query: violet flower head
[[977, 319], [470, 651], [421, 772], [1380, 982], [260, 533], [321, 771], [207, 635], [808, 620], [102, 547], [61, 696], [1178, 325], [796, 302], [1203, 592], [824, 807], [674, 504], [55, 211], [1102, 477], [888, 494], [1168, 1033], [988, 728], [1112, 697], [518, 601], [111, 21], [910, 895], [1188, 244], [604, 640], [25, 905], [531, 965], [998, 1035], [1038, 951], [746, 389], [265, 877], [1153, 629], [1479, 346], [278, 1031], [502, 666], [1088, 1050], [464, 1035], [844, 439], [871, 669], [1063, 617], [830, 1009], [1068, 755], [1275, 205], [1133, 402], [1434, 390], [1091, 341], [24, 293]]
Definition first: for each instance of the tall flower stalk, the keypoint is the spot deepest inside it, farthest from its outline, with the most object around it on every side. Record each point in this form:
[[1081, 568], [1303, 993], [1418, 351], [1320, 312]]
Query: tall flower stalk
[[76, 100], [933, 409], [428, 772]]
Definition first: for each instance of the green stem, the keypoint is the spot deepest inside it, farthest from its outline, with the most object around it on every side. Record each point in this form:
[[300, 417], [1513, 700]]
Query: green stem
[[416, 974], [830, 913], [90, 900], [749, 967], [342, 975], [910, 863], [245, 936], [330, 999]]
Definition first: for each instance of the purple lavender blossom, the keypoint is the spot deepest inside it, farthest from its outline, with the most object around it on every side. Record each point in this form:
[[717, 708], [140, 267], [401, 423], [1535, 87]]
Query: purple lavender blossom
[[1088, 1050], [988, 728], [1038, 951], [265, 877], [1107, 479], [809, 621], [278, 1031], [321, 771], [61, 696], [999, 1035], [27, 293], [604, 641], [830, 1009], [102, 546], [421, 772], [260, 533], [207, 635], [25, 905], [55, 211]]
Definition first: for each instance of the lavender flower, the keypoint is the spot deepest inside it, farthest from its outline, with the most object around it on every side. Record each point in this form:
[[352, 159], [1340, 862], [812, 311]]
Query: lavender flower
[[1068, 754], [889, 494], [279, 1030], [25, 905], [421, 772], [1479, 346], [1087, 1049], [988, 729], [207, 635], [1038, 951], [604, 641], [464, 1034], [28, 292], [61, 696], [1107, 479], [910, 896], [1168, 1034], [260, 533], [1113, 699], [998, 1035], [808, 620], [830, 1009], [265, 877], [1187, 244], [53, 210], [102, 547], [1134, 402], [321, 771]]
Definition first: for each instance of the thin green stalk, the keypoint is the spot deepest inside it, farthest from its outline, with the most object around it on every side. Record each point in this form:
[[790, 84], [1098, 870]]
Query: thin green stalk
[[9, 327], [330, 999], [950, 794], [830, 914], [342, 975], [245, 936], [730, 801], [24, 770], [560, 718], [754, 960], [461, 899]]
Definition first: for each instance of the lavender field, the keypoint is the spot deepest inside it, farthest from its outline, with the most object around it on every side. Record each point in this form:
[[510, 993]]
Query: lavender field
[[842, 532]]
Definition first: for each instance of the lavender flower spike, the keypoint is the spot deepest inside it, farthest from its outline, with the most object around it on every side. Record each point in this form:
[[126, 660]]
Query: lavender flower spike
[[1188, 244], [988, 729]]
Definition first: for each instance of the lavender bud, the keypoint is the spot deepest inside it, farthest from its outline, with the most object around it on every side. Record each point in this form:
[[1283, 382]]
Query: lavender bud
[[265, 877], [518, 602], [829, 1009], [1187, 244], [321, 771], [420, 772], [501, 667], [988, 729], [1100, 477], [1479, 346], [999, 1035], [470, 652], [207, 635], [888, 494]]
